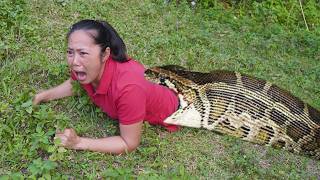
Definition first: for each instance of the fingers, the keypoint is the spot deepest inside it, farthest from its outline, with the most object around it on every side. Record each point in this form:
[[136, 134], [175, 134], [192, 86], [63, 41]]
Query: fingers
[[36, 99], [61, 136], [68, 137], [58, 131], [63, 139], [68, 132]]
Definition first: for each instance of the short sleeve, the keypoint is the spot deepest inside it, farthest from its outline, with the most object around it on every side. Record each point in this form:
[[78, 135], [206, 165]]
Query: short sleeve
[[131, 105]]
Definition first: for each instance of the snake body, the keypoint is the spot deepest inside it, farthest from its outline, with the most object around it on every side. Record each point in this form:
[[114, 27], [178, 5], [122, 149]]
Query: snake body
[[242, 106]]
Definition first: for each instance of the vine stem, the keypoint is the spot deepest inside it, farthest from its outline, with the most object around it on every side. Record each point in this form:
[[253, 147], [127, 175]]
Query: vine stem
[[304, 18]]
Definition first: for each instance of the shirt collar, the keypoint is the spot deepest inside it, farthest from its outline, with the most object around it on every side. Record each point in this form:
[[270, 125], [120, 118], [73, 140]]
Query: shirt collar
[[106, 77]]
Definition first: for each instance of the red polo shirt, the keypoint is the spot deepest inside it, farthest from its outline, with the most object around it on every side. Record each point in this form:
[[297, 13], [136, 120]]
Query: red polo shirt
[[124, 94]]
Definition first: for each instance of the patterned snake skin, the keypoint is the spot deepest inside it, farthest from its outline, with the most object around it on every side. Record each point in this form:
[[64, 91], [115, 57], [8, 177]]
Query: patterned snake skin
[[242, 106]]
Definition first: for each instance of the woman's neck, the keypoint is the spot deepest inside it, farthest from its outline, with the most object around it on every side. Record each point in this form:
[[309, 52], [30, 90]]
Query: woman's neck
[[96, 82]]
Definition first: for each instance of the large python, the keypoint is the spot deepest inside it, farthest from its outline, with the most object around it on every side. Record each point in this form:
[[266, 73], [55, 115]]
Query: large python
[[241, 106]]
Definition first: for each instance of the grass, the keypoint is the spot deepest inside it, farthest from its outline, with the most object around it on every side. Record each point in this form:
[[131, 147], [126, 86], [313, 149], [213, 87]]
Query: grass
[[155, 34]]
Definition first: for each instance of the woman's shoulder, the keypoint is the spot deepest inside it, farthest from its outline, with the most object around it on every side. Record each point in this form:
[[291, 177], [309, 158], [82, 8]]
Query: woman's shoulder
[[130, 72], [132, 67]]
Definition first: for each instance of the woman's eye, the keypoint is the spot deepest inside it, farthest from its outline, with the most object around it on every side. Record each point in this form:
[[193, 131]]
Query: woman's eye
[[83, 53], [69, 52]]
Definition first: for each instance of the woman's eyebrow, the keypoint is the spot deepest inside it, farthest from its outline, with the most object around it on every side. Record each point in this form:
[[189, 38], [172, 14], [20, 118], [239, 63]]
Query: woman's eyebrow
[[77, 49]]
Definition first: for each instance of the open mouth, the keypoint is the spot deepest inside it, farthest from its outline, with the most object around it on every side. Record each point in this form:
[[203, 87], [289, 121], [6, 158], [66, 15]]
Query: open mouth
[[81, 76]]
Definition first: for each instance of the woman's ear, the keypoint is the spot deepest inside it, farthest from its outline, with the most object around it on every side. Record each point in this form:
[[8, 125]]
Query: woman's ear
[[106, 54]]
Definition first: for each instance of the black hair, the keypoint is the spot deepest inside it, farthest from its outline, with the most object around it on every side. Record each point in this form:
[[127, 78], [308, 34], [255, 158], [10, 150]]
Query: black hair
[[106, 36]]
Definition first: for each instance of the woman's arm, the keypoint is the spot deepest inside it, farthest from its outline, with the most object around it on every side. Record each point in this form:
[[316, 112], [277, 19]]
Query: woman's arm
[[60, 91], [129, 140]]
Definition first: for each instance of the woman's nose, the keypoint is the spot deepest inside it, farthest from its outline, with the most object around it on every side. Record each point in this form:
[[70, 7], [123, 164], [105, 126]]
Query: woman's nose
[[76, 60]]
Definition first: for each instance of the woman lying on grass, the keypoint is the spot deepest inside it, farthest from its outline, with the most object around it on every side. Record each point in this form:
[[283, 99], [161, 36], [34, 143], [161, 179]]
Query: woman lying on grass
[[114, 82]]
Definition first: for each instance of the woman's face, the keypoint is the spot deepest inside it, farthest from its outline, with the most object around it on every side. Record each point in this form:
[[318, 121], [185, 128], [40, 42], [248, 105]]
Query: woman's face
[[84, 57]]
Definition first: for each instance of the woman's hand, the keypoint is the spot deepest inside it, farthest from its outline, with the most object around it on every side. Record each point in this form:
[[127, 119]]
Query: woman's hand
[[38, 98], [127, 142], [69, 138]]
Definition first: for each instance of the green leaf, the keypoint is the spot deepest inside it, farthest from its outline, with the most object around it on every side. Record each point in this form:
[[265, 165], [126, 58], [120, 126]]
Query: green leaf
[[51, 149], [29, 109], [27, 104], [62, 150]]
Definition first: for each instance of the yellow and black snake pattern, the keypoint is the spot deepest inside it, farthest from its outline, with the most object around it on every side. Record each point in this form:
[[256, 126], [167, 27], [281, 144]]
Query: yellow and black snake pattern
[[242, 106]]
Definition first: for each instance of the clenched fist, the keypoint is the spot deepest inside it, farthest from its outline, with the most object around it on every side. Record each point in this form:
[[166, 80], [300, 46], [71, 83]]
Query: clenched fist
[[69, 138]]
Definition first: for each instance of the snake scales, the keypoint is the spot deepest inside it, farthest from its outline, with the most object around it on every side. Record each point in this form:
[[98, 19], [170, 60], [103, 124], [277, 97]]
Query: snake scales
[[241, 106]]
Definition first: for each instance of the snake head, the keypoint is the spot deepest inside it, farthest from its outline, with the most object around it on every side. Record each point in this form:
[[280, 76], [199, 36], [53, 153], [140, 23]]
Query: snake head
[[154, 75], [156, 78], [162, 81]]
